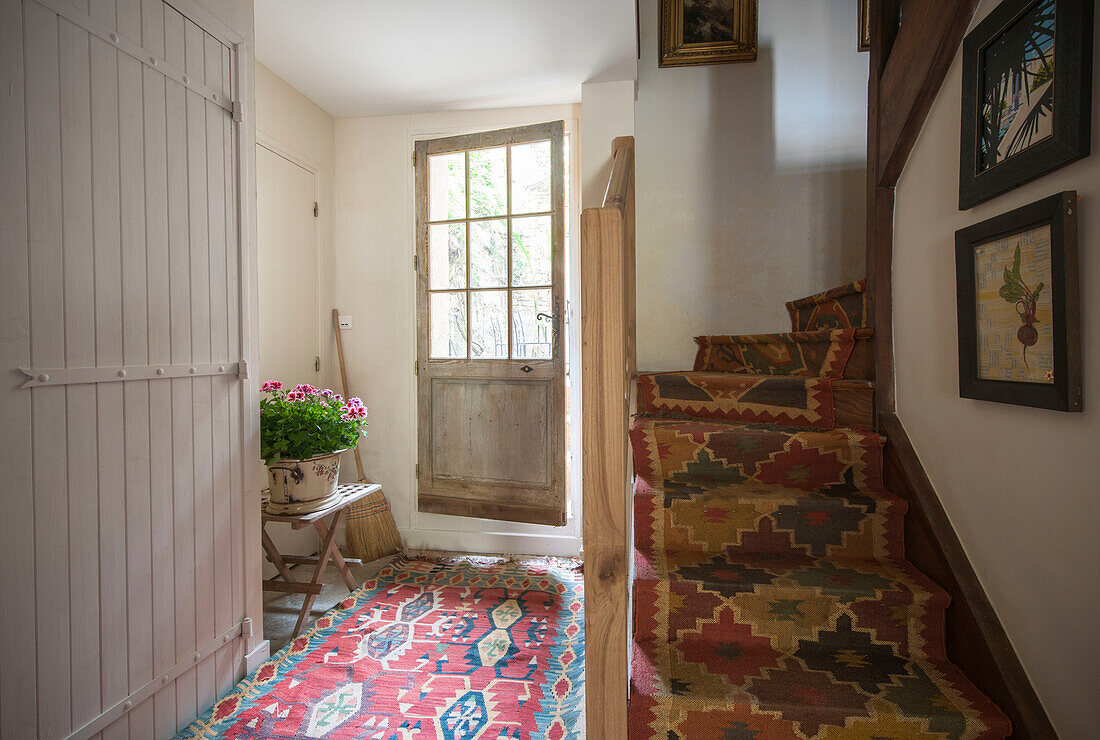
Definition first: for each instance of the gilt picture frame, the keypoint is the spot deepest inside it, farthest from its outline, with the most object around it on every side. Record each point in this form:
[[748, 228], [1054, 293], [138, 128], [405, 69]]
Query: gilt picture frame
[[864, 25], [695, 32], [1019, 308], [1026, 95]]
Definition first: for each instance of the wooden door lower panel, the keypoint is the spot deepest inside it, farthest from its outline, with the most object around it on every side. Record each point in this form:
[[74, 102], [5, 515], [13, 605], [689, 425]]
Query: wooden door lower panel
[[490, 449], [484, 431]]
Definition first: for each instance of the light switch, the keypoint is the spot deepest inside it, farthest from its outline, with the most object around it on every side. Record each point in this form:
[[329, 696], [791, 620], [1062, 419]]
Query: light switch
[[345, 322]]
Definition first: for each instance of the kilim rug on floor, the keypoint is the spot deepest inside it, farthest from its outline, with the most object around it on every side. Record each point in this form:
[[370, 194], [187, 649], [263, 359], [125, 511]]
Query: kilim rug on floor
[[772, 597], [470, 648]]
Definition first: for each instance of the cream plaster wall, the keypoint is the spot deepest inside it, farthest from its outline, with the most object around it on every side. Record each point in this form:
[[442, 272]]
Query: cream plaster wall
[[297, 124], [293, 124], [607, 110], [750, 185], [375, 284], [1021, 485]]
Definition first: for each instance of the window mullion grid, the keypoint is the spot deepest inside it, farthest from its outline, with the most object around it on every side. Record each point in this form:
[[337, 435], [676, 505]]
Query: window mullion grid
[[508, 226], [469, 297]]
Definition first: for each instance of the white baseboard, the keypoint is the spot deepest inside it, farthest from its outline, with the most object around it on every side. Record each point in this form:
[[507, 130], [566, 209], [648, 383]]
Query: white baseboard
[[259, 654], [490, 543]]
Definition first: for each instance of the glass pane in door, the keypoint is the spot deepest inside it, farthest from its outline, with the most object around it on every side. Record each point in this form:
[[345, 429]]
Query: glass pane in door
[[488, 182], [531, 251], [447, 256], [447, 186], [489, 324], [447, 324], [531, 177], [489, 254], [532, 335]]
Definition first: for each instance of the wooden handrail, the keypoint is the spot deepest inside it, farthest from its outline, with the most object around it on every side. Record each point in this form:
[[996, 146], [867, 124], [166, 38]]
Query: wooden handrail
[[607, 374], [621, 183]]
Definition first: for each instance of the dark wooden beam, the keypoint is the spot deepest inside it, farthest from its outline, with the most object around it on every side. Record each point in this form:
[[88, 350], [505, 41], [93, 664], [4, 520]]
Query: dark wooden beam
[[908, 64], [930, 34], [977, 642], [880, 208]]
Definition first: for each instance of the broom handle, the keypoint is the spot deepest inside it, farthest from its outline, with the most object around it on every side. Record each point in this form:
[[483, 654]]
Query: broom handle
[[344, 382]]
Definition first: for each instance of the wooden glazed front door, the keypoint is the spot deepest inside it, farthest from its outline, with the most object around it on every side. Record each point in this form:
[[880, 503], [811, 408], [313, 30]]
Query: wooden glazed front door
[[490, 228]]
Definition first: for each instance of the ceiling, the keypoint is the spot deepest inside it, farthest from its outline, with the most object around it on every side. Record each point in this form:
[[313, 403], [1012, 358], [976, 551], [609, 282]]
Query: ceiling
[[372, 58]]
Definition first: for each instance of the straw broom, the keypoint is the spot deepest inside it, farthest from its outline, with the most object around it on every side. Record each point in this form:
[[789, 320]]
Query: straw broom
[[370, 530]]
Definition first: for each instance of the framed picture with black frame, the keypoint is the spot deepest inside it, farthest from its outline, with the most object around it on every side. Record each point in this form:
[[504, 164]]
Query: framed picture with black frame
[[1026, 95], [1018, 306]]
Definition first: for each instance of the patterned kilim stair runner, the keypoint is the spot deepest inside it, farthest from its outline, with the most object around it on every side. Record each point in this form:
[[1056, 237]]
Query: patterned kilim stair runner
[[772, 598], [471, 648]]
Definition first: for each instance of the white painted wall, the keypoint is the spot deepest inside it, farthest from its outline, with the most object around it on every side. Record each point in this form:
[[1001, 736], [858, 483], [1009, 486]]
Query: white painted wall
[[750, 180], [295, 126], [1020, 485], [303, 128], [607, 111], [375, 285]]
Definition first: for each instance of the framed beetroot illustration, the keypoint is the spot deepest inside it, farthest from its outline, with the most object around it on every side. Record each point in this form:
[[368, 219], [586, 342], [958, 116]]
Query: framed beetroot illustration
[[1019, 325]]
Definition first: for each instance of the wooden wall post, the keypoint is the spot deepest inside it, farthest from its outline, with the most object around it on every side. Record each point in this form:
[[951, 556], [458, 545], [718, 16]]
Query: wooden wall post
[[607, 372]]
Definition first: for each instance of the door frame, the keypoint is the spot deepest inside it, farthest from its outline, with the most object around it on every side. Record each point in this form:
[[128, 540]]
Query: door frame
[[505, 535], [277, 148]]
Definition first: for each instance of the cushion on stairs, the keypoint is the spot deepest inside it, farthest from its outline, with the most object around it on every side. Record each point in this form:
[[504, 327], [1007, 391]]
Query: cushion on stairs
[[775, 399], [844, 307], [814, 354]]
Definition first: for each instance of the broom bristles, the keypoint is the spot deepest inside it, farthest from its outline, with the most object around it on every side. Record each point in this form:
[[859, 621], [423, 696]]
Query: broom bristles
[[370, 530]]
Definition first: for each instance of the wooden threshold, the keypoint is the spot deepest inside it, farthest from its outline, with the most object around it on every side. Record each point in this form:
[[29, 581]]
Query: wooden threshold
[[510, 512]]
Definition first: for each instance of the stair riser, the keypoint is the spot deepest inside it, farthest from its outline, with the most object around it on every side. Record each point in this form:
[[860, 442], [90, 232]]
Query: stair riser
[[740, 527], [680, 615], [797, 403], [671, 453]]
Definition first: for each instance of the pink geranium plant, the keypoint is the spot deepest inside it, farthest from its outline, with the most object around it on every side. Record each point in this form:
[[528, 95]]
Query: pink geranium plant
[[304, 422]]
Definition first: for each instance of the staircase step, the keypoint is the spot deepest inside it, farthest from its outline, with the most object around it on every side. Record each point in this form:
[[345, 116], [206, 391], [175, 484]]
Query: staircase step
[[728, 666], [724, 601], [772, 597], [671, 452], [815, 403], [925, 699], [745, 519]]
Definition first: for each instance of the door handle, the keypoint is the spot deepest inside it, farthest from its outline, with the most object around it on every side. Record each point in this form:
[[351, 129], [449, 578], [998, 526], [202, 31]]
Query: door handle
[[555, 325]]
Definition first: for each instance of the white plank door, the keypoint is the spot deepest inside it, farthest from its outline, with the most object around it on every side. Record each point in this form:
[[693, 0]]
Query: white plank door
[[130, 508]]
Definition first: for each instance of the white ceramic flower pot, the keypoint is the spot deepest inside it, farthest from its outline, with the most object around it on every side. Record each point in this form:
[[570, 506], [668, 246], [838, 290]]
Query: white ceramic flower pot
[[303, 486]]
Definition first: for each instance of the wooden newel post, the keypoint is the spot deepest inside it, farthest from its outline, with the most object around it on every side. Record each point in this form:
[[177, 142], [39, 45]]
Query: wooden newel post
[[608, 368]]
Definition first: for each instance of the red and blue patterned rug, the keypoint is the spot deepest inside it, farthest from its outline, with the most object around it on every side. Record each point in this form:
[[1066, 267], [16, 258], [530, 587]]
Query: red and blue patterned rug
[[457, 650]]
